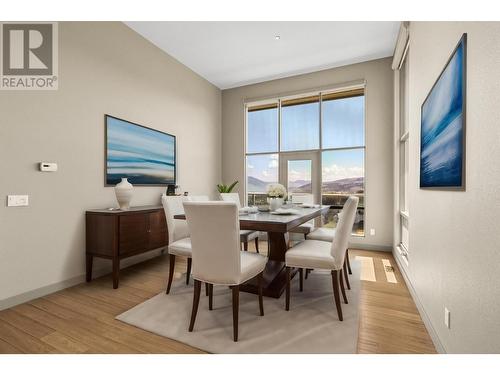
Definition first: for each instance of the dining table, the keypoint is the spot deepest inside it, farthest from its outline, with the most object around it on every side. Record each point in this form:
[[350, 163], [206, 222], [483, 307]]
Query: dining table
[[277, 227]]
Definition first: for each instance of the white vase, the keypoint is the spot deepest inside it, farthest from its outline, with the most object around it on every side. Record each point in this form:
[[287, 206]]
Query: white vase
[[124, 191], [275, 203]]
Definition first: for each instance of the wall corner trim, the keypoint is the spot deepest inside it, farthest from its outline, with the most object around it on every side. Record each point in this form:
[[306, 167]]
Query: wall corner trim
[[420, 307], [401, 46]]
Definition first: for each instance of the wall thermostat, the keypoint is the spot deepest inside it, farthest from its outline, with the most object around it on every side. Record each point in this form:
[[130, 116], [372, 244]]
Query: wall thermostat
[[48, 167]]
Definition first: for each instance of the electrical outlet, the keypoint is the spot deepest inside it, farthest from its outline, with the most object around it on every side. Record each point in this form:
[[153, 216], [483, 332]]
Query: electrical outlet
[[17, 200], [372, 232], [447, 317]]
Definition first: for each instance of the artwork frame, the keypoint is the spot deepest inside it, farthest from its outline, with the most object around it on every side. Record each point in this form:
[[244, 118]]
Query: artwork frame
[[447, 137], [134, 179]]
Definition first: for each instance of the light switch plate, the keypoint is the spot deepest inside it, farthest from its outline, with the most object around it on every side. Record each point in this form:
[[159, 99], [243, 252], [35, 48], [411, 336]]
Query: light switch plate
[[447, 317], [372, 232], [17, 200]]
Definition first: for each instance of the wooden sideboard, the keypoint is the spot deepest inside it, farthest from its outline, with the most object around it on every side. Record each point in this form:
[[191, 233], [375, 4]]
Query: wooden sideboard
[[117, 234]]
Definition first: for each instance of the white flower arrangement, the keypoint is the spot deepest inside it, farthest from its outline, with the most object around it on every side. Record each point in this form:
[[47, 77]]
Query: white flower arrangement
[[276, 191]]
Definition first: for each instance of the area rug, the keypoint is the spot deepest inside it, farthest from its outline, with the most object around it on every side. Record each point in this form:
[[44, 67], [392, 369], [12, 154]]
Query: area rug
[[311, 325]]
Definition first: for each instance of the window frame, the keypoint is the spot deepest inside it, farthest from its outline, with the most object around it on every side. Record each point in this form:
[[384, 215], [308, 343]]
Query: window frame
[[403, 144], [358, 89]]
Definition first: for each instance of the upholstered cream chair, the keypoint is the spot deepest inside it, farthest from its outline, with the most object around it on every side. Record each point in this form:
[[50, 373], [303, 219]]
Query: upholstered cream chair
[[325, 255], [198, 198], [307, 227], [327, 234], [322, 234], [245, 235], [179, 243], [217, 259]]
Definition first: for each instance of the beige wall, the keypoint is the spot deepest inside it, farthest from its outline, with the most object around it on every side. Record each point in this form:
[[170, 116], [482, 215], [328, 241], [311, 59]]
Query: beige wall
[[379, 120], [454, 236], [103, 68]]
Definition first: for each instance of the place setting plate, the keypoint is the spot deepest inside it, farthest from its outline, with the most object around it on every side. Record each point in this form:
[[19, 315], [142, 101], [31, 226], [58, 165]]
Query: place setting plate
[[285, 211]]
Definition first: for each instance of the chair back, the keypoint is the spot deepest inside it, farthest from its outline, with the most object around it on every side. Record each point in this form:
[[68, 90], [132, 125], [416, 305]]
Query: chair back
[[231, 197], [215, 241], [177, 229], [343, 231], [198, 198]]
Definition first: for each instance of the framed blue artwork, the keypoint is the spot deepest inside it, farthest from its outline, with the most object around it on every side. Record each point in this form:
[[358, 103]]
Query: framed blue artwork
[[442, 135], [143, 155]]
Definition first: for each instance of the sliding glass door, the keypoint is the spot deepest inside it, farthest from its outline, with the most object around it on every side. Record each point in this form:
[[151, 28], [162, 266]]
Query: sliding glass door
[[299, 173]]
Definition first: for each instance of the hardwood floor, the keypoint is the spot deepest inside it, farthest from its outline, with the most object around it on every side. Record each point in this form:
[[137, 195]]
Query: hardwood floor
[[81, 319]]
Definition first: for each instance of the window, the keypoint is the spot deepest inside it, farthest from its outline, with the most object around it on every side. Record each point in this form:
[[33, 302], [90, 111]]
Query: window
[[403, 160], [262, 170], [343, 174], [300, 124], [262, 145], [326, 126], [299, 176], [262, 129], [343, 122]]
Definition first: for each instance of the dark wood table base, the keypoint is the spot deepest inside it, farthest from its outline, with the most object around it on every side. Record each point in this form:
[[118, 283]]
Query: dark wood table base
[[273, 283], [274, 277]]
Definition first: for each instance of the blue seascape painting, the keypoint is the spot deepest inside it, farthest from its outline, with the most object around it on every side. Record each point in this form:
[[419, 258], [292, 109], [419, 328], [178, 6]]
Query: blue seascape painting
[[442, 127], [144, 156]]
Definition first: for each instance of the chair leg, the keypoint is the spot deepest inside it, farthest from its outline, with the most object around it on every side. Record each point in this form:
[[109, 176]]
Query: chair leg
[[257, 245], [301, 281], [196, 301], [336, 295], [287, 292], [171, 267], [206, 289], [341, 279], [245, 246], [236, 306], [348, 261], [210, 296], [261, 301], [346, 277], [188, 273], [308, 271]]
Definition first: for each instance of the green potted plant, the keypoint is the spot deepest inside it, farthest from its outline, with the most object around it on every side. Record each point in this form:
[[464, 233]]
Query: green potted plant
[[222, 188]]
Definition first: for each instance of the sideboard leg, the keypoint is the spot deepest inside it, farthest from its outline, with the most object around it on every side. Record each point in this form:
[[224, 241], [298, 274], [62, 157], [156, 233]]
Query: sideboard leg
[[116, 272], [88, 275]]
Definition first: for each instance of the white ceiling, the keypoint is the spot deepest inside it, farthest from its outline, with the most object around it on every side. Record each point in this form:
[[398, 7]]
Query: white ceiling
[[232, 54]]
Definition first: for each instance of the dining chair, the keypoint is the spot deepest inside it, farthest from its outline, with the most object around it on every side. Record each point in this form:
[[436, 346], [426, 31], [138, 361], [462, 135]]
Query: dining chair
[[245, 235], [327, 234], [179, 242], [306, 227], [325, 255], [198, 198], [217, 259]]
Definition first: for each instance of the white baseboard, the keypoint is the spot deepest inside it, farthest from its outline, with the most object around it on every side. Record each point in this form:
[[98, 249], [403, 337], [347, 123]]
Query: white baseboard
[[370, 247], [52, 288], [425, 318]]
